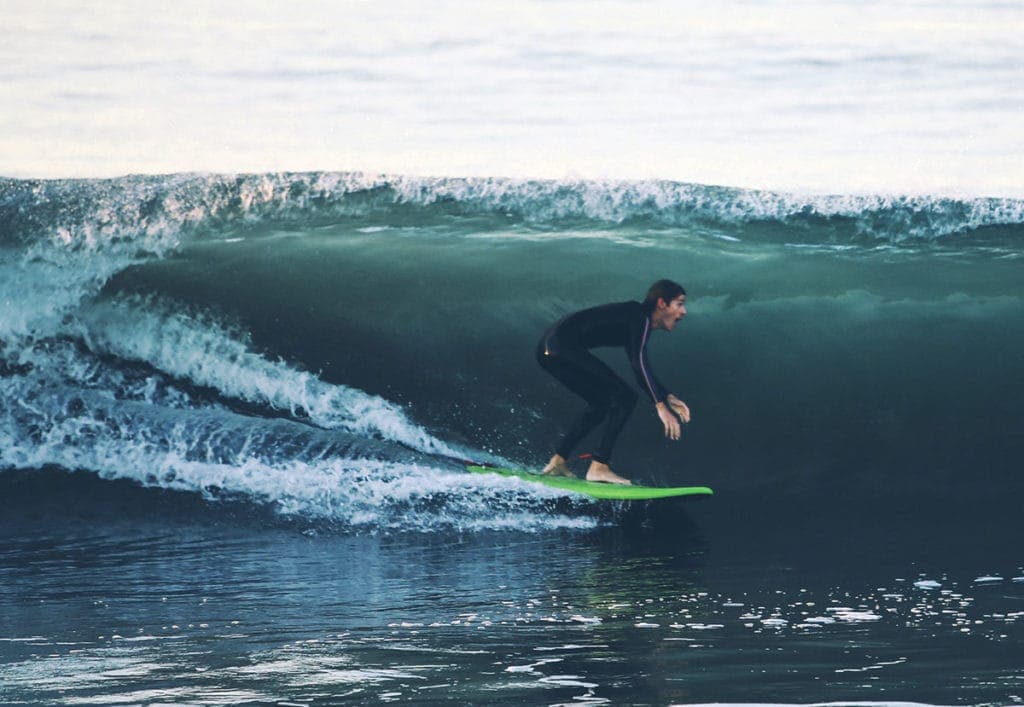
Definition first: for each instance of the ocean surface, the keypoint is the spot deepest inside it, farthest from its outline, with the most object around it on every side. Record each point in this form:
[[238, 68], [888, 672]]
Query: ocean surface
[[827, 96], [229, 409], [237, 383]]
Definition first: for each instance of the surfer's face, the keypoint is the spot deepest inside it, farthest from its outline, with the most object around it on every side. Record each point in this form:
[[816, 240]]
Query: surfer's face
[[673, 311]]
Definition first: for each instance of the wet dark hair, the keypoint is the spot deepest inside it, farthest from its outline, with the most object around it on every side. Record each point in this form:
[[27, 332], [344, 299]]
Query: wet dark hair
[[663, 289]]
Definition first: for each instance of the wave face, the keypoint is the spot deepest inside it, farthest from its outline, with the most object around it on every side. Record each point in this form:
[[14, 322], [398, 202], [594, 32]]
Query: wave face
[[323, 344]]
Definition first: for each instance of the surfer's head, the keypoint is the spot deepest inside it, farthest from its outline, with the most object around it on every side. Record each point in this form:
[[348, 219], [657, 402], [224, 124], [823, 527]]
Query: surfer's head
[[663, 290], [666, 301]]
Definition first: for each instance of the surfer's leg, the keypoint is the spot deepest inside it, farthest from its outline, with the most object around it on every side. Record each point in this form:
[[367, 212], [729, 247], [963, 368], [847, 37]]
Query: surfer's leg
[[580, 428], [618, 411], [612, 403], [570, 372], [609, 399]]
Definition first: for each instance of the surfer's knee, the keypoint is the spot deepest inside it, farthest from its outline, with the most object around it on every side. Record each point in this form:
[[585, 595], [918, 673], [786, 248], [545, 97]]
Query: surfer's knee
[[622, 401], [626, 399]]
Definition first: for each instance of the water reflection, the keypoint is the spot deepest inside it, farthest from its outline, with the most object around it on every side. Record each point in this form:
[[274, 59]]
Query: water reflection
[[107, 606]]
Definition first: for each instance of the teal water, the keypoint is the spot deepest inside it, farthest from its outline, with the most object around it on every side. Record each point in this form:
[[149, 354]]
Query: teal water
[[229, 399], [230, 407], [134, 598], [140, 597]]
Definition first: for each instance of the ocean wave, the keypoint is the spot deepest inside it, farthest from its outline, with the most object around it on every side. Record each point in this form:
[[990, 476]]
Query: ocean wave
[[139, 338], [150, 214]]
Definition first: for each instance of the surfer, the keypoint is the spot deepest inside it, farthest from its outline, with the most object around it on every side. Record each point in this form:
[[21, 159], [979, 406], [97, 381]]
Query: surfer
[[564, 352]]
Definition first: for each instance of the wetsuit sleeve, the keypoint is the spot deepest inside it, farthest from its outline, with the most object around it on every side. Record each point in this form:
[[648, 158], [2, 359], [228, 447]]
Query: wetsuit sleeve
[[636, 350]]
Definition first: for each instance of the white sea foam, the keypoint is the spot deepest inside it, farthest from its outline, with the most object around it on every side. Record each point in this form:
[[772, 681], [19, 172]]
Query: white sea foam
[[139, 216], [68, 411], [858, 616], [202, 351], [134, 442], [74, 252]]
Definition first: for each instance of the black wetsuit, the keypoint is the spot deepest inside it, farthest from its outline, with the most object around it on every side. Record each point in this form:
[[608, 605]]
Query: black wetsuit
[[563, 352]]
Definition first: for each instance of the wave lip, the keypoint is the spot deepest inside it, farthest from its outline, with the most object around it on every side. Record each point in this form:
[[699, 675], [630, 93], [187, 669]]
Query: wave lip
[[149, 214]]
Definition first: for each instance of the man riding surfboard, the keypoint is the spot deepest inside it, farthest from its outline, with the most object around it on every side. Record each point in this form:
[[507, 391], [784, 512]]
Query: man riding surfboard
[[564, 352]]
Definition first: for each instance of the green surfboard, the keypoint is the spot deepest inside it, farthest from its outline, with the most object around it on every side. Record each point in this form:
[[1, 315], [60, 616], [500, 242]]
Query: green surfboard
[[593, 489]]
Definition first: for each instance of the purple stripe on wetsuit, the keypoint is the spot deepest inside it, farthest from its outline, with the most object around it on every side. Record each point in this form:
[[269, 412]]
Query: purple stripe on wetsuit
[[643, 356]]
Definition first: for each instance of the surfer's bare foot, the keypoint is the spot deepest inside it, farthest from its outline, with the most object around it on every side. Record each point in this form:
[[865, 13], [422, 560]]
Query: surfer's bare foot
[[558, 467], [603, 472]]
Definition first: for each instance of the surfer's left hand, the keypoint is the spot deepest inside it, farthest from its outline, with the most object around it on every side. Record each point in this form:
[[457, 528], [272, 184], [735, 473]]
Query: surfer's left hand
[[678, 407]]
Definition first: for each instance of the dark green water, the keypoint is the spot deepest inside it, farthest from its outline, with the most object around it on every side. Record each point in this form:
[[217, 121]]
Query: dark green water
[[228, 408], [143, 597]]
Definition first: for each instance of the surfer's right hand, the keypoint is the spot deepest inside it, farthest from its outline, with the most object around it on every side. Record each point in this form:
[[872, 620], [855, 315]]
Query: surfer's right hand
[[671, 422]]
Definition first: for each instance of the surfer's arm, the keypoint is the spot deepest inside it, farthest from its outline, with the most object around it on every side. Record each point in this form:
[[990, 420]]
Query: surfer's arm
[[636, 352], [659, 392], [663, 400]]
